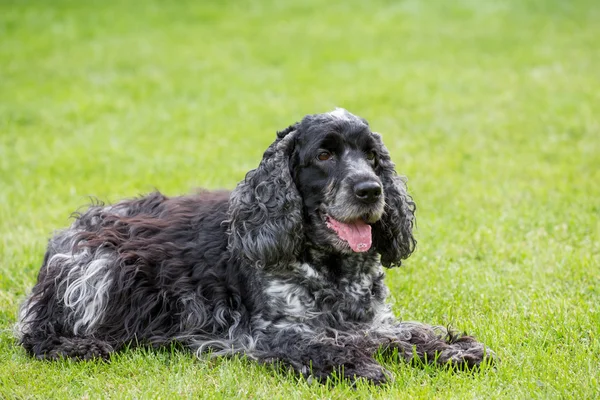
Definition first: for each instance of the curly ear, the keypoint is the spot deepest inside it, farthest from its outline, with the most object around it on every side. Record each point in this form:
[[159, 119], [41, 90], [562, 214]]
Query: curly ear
[[392, 234], [265, 209]]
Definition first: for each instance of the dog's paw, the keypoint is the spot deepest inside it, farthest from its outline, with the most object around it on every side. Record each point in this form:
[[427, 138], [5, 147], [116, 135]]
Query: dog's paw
[[82, 349], [469, 354], [372, 373], [353, 373]]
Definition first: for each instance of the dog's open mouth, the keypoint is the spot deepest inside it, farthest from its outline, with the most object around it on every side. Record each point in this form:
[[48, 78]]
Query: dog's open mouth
[[356, 233]]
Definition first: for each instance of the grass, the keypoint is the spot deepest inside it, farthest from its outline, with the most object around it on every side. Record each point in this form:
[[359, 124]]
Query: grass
[[489, 107]]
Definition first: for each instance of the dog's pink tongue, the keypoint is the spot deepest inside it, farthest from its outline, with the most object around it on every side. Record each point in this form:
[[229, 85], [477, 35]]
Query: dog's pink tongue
[[357, 233]]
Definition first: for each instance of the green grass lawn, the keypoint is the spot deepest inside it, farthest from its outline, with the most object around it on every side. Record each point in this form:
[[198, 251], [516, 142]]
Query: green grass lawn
[[491, 108]]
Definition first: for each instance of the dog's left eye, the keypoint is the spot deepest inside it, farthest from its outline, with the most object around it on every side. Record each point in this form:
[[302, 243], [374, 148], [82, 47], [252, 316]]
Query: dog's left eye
[[324, 156], [370, 155]]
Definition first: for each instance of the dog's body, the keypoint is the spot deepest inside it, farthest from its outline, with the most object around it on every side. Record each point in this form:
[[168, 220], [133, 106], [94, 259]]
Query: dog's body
[[287, 268]]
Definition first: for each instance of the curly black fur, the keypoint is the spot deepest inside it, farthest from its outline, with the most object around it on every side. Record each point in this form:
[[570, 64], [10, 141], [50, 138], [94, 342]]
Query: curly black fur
[[282, 269]]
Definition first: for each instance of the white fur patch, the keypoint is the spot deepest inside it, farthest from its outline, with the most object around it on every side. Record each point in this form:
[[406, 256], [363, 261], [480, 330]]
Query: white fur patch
[[116, 209], [362, 287], [340, 113], [294, 298], [86, 286], [383, 316], [308, 271], [243, 343]]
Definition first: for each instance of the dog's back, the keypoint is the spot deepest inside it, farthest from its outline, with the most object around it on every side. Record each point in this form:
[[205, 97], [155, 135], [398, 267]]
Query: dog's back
[[131, 271]]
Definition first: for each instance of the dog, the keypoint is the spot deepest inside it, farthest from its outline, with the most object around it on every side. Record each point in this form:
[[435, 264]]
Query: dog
[[287, 269]]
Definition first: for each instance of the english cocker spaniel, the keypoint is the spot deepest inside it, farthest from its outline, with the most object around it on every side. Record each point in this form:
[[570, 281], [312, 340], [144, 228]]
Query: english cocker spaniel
[[288, 268]]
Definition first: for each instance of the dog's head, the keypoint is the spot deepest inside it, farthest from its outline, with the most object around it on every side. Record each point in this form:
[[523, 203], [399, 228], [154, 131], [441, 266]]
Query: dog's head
[[329, 180]]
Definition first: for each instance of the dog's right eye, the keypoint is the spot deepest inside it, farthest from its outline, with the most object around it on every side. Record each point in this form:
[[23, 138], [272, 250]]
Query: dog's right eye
[[324, 156]]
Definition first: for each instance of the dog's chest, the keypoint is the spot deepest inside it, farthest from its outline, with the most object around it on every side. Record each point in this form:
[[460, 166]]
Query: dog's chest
[[309, 297]]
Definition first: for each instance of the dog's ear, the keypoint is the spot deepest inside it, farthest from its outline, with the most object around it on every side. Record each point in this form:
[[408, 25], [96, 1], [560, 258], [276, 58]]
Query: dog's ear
[[265, 209], [392, 234]]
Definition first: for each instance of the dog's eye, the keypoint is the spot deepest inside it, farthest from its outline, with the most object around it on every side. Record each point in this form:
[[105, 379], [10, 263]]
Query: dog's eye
[[370, 155], [324, 156]]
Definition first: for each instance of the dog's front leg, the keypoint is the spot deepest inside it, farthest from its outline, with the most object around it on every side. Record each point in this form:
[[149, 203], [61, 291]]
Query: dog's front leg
[[435, 344], [323, 354]]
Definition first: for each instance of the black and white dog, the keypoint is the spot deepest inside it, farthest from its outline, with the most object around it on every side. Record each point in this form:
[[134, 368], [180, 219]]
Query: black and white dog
[[286, 269]]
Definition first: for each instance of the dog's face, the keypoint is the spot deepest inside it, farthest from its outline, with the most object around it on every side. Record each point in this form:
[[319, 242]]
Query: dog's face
[[335, 169], [328, 180]]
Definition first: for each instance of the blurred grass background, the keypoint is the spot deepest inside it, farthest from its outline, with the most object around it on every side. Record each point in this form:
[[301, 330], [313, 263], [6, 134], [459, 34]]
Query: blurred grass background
[[489, 107]]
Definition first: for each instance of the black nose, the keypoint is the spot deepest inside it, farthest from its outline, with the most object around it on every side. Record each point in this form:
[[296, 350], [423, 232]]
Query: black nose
[[367, 191]]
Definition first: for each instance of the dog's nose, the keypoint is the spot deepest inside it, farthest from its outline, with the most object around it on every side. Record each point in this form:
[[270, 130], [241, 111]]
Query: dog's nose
[[367, 191]]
